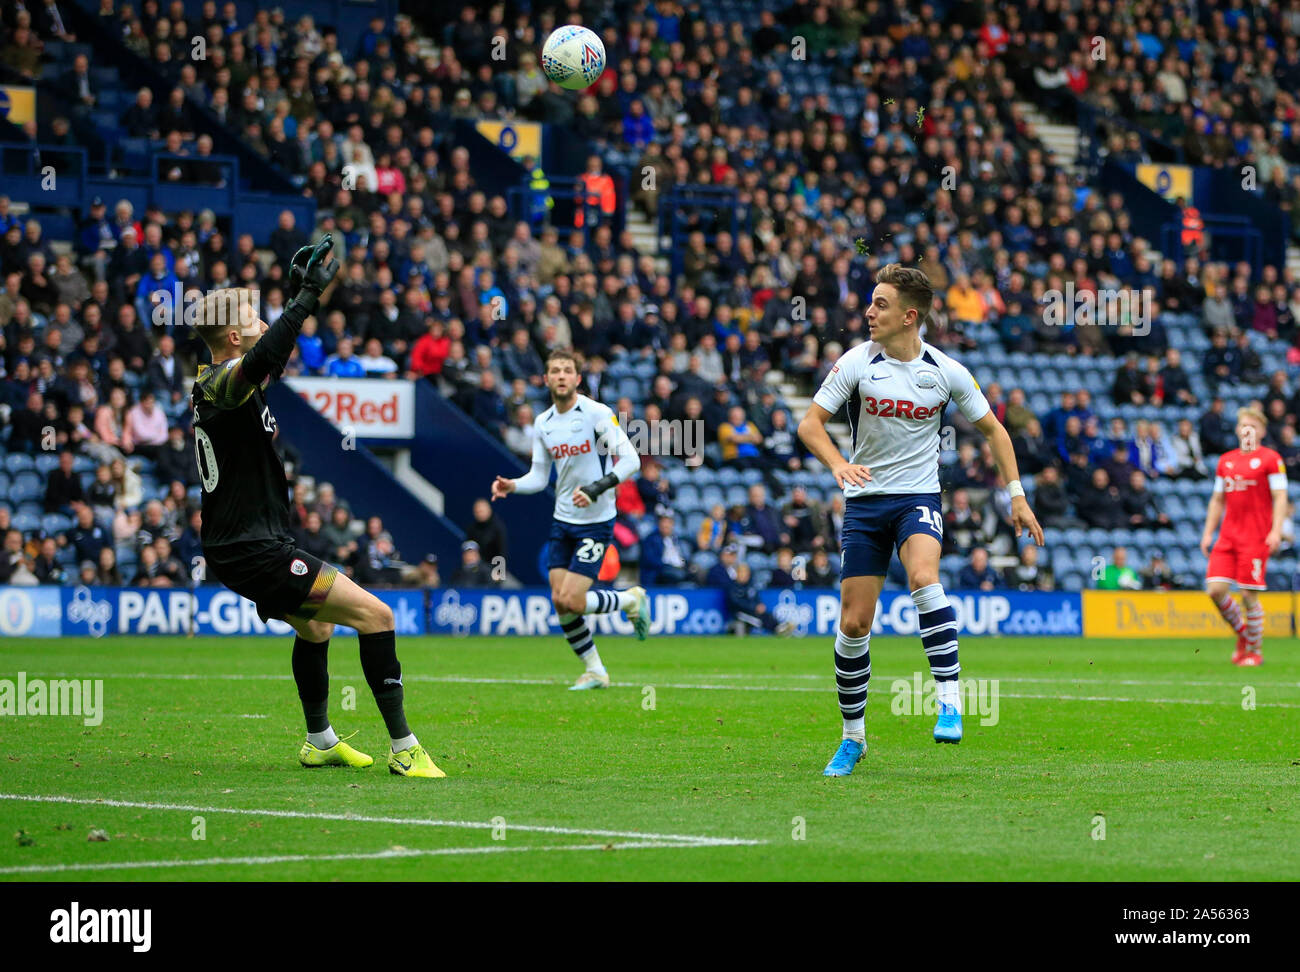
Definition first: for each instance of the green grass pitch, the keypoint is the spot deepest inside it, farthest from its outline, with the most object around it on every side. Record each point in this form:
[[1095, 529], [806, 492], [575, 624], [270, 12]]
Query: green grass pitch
[[1109, 760]]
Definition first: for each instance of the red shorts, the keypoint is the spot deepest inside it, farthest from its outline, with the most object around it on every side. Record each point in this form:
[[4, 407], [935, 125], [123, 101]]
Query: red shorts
[[1245, 562]]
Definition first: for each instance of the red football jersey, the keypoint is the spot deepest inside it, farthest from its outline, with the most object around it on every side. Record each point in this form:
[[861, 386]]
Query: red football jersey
[[1247, 479]]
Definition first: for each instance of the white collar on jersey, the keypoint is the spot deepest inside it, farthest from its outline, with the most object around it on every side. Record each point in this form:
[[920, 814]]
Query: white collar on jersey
[[924, 356]]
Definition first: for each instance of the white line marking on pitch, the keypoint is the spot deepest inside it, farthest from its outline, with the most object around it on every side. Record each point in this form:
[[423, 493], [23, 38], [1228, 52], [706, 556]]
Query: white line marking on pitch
[[691, 686], [376, 856], [400, 821]]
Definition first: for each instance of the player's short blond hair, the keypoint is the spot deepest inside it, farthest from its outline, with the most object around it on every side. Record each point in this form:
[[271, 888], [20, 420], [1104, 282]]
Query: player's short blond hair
[[1255, 415], [221, 310]]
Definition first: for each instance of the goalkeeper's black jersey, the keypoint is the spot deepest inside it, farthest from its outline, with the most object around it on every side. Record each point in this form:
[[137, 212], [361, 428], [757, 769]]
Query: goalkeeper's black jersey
[[245, 493]]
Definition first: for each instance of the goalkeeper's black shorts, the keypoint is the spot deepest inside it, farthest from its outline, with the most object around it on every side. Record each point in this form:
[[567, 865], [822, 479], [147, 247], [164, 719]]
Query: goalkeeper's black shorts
[[282, 580]]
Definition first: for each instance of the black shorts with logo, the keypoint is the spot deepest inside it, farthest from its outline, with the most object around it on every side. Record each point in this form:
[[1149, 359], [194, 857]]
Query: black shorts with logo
[[281, 579]]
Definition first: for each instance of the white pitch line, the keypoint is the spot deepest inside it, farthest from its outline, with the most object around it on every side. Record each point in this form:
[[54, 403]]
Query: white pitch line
[[692, 686], [399, 821], [375, 856]]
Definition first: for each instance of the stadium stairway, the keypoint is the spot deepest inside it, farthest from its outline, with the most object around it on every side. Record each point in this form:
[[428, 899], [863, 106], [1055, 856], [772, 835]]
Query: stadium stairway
[[1062, 141], [370, 488], [799, 404]]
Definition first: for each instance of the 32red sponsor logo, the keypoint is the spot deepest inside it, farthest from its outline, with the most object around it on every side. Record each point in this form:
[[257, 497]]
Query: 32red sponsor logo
[[902, 408], [565, 449]]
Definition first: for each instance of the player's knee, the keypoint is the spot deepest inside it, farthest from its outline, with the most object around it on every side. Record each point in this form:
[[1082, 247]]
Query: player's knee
[[570, 603], [379, 616], [855, 625], [922, 577], [318, 631], [1216, 590]]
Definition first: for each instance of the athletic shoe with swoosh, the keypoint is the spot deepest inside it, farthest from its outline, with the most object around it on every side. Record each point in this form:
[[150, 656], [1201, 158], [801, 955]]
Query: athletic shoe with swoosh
[[948, 727], [414, 761], [340, 754], [639, 613], [845, 758], [590, 680]]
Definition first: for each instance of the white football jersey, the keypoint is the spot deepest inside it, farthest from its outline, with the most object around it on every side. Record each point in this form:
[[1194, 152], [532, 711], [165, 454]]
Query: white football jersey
[[895, 411], [584, 444]]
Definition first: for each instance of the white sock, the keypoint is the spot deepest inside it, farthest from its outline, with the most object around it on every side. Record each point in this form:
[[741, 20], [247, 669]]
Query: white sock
[[626, 599], [949, 693], [591, 658], [406, 742], [326, 739], [856, 729]]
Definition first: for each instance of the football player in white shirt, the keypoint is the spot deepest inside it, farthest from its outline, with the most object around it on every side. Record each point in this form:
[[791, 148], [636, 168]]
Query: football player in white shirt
[[896, 388], [592, 455]]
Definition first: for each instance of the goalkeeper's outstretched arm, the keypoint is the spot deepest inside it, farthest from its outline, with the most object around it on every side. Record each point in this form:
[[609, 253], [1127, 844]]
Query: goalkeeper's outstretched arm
[[268, 357]]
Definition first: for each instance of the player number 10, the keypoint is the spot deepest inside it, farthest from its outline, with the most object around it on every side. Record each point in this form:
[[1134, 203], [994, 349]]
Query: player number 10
[[931, 519]]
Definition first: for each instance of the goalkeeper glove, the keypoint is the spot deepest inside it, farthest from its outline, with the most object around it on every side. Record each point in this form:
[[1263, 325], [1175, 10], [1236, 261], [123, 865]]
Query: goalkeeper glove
[[311, 271], [593, 490]]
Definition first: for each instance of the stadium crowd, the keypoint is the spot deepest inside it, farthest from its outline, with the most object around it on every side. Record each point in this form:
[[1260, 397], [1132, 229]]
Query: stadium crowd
[[929, 162]]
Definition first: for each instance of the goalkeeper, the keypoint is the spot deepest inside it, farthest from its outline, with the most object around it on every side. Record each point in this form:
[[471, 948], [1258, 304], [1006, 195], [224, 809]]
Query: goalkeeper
[[247, 543]]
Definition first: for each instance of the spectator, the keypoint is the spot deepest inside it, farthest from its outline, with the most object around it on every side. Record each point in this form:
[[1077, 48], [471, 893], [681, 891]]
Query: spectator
[[1099, 504], [745, 607], [472, 571], [1157, 576], [1216, 431], [712, 534], [1186, 459], [819, 572], [87, 538], [429, 577], [1140, 505], [1118, 575], [46, 566], [664, 557], [63, 489], [723, 572], [962, 524], [146, 427], [764, 520], [1028, 574], [977, 575], [488, 532], [739, 440]]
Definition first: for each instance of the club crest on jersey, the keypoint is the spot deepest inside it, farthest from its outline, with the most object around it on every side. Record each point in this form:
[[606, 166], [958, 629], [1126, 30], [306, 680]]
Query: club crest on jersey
[[926, 379], [564, 449], [575, 425], [1254, 464], [297, 568]]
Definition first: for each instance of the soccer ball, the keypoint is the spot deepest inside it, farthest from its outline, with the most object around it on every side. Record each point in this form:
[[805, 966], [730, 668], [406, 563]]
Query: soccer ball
[[573, 57]]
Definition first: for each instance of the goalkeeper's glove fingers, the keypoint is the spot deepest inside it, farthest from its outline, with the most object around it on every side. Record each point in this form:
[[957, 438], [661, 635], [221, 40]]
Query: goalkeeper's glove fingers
[[297, 267]]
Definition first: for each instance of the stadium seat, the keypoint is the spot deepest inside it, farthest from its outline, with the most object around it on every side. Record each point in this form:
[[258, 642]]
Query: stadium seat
[[56, 523], [19, 461], [25, 522], [26, 486]]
